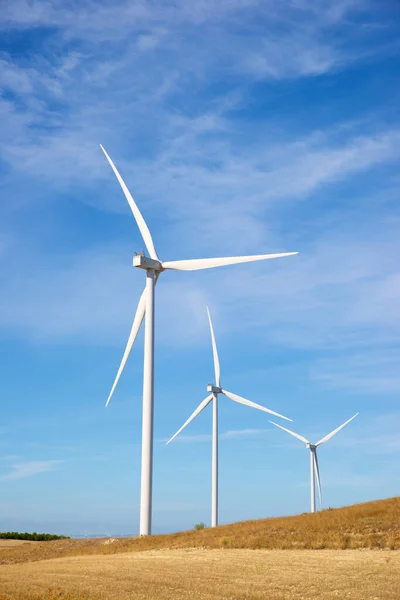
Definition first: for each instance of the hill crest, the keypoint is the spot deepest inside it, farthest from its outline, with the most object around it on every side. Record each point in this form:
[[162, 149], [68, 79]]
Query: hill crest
[[370, 525]]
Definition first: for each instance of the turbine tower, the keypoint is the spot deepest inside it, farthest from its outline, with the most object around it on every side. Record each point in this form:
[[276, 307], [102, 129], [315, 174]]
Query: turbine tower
[[154, 267], [213, 397], [314, 468]]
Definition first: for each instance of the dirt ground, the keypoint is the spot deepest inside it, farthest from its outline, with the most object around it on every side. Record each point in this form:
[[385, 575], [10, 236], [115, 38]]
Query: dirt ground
[[207, 575]]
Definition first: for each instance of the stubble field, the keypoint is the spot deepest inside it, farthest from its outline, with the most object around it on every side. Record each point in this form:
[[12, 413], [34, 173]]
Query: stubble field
[[208, 574]]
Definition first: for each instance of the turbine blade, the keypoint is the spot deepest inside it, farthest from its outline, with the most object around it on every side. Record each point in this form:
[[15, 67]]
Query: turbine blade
[[217, 369], [335, 431], [296, 435], [241, 400], [318, 478], [208, 263], [144, 230], [137, 321], [192, 416]]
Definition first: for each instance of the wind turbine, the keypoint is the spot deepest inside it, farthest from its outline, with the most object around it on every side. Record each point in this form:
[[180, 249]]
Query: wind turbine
[[314, 469], [213, 397], [154, 267]]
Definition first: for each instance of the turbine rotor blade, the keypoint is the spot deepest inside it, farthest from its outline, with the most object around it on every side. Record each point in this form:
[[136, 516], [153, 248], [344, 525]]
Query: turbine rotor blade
[[198, 410], [296, 435], [141, 223], [318, 477], [137, 321], [335, 431], [217, 369], [241, 400], [207, 263]]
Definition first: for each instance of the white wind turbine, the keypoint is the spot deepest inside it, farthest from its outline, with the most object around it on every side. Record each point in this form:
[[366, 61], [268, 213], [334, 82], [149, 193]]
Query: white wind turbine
[[213, 397], [314, 469], [154, 267]]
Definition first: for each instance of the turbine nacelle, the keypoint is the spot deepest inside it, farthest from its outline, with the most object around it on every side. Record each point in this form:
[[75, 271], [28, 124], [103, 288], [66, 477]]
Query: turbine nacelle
[[214, 389], [145, 262]]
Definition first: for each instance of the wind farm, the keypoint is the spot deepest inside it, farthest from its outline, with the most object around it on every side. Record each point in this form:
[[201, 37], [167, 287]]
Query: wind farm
[[154, 267], [184, 415], [319, 530]]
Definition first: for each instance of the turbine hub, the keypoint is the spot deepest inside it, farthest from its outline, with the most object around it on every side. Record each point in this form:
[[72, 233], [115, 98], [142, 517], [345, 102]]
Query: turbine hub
[[145, 262], [214, 389], [311, 446]]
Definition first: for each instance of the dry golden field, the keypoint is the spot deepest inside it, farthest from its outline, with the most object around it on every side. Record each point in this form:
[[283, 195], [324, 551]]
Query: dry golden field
[[336, 554], [207, 575]]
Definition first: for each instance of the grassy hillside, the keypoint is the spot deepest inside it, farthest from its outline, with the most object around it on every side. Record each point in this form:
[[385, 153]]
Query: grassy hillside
[[369, 525]]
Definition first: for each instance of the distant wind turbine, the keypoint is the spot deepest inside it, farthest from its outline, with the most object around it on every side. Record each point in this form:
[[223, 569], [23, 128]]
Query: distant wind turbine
[[213, 397], [314, 469], [154, 267]]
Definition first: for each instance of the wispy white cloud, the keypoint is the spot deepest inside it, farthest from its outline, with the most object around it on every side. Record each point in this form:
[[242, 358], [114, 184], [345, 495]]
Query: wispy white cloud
[[191, 164], [73, 96], [125, 15], [341, 290], [31, 468]]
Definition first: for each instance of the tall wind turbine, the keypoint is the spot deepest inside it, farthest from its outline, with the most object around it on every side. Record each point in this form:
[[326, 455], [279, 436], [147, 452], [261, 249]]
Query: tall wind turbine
[[154, 267], [213, 397], [314, 469]]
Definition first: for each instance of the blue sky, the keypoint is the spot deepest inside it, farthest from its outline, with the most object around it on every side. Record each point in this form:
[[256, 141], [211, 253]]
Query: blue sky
[[240, 127]]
